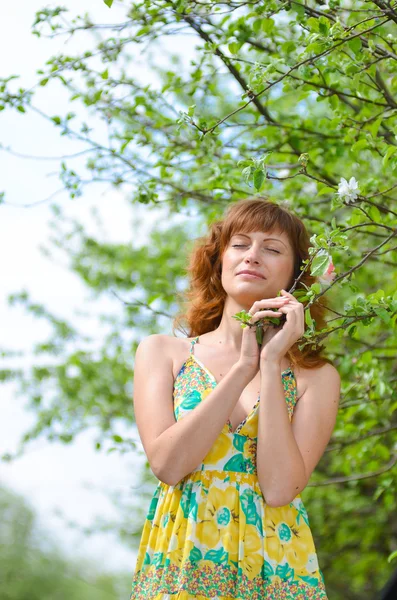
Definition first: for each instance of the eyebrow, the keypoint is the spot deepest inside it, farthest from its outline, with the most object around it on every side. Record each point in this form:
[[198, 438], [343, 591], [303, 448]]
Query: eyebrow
[[264, 239]]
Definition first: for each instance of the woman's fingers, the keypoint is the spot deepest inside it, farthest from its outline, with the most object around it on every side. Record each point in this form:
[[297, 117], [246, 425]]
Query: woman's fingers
[[265, 313], [273, 302]]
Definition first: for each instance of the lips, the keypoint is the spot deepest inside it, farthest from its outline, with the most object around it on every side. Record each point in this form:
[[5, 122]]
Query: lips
[[245, 271]]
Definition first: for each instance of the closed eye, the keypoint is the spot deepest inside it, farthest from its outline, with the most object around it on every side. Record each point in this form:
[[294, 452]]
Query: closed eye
[[242, 246]]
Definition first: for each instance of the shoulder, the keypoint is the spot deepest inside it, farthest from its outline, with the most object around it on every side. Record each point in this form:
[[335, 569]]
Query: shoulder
[[309, 379], [168, 347], [326, 373], [170, 350], [325, 380], [154, 344]]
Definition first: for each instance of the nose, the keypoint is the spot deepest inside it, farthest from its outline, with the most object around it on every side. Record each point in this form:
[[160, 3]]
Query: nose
[[252, 255]]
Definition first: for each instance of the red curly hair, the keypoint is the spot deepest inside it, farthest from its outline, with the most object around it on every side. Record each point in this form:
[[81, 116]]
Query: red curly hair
[[205, 296]]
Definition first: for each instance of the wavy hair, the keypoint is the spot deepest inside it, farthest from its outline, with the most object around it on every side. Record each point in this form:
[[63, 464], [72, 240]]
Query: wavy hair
[[204, 299]]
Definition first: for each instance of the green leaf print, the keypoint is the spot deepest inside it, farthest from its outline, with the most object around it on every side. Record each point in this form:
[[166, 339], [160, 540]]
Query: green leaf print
[[267, 570], [147, 559], [310, 580], [195, 554], [191, 400], [220, 557], [302, 513], [236, 463], [249, 508], [185, 499], [285, 571], [193, 507], [158, 558], [189, 503], [239, 441], [152, 508]]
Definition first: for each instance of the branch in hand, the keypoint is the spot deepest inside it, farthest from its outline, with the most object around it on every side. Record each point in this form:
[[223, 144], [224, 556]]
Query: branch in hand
[[245, 319]]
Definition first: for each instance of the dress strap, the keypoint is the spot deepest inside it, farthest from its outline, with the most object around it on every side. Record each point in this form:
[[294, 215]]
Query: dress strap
[[194, 341]]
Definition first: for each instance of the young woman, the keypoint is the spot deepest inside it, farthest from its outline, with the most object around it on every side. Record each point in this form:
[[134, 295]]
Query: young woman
[[232, 429]]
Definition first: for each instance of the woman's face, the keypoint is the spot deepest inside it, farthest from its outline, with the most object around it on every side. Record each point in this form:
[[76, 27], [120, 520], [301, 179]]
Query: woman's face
[[269, 254]]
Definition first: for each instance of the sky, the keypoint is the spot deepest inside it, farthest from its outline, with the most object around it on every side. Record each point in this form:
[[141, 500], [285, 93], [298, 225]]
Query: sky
[[69, 480]]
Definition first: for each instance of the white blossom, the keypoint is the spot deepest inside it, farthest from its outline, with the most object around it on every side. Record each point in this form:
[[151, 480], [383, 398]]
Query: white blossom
[[328, 276], [283, 173], [348, 190]]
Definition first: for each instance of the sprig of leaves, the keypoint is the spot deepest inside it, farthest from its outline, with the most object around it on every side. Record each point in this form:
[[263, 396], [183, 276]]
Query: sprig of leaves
[[245, 319]]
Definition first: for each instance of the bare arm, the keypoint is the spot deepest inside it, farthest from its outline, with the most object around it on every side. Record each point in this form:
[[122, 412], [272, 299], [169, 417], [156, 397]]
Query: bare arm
[[295, 447], [175, 448]]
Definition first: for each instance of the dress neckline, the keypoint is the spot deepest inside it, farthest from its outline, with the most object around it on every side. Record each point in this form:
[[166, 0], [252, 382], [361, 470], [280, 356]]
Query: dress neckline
[[215, 382], [195, 341]]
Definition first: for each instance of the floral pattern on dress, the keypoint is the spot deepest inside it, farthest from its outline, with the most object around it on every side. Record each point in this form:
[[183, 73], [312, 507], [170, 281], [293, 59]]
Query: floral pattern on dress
[[212, 535]]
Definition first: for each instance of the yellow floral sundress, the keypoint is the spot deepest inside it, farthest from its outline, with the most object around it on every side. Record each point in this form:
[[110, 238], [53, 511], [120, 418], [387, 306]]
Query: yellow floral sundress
[[212, 535]]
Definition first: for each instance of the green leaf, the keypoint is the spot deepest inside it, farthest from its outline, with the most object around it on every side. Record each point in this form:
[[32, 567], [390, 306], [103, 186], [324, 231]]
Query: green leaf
[[391, 150], [320, 264], [324, 25], [313, 23], [382, 313], [316, 287], [308, 318], [355, 45], [259, 176], [108, 3], [326, 189], [256, 26], [359, 145], [316, 48], [374, 128], [392, 556], [259, 335], [268, 25]]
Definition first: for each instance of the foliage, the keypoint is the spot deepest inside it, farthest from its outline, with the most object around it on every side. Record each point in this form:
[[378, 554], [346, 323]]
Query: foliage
[[33, 567], [288, 99]]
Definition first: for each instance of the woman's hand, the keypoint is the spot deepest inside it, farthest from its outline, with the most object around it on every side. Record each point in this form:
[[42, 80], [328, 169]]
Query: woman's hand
[[250, 351], [278, 340]]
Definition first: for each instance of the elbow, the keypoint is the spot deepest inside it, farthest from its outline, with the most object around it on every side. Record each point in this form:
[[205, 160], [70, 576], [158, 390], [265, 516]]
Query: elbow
[[162, 471], [166, 476], [275, 502], [281, 499], [281, 496]]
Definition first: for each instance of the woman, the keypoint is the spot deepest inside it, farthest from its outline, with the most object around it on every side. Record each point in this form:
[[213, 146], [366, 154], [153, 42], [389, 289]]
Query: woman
[[233, 429]]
